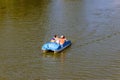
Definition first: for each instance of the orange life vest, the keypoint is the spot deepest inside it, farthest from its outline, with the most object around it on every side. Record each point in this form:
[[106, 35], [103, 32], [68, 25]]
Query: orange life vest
[[61, 41]]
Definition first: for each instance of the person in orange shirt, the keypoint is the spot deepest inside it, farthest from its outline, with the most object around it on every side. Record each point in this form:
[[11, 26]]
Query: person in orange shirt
[[62, 40]]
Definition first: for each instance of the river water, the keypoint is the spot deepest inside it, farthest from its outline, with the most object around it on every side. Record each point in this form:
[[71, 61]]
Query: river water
[[93, 26]]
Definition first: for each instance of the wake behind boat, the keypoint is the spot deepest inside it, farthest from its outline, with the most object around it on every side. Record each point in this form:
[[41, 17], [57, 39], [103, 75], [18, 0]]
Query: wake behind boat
[[55, 47]]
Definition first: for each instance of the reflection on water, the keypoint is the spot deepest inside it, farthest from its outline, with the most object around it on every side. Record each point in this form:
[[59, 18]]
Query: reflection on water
[[91, 25], [60, 56]]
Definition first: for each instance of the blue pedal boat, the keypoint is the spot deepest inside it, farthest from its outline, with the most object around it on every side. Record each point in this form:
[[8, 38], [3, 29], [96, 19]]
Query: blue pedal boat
[[55, 47]]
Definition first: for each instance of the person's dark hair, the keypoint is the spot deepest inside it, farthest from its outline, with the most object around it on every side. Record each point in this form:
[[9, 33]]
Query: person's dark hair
[[63, 36], [55, 36]]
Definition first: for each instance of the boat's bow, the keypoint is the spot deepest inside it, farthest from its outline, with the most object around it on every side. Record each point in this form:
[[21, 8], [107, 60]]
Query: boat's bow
[[51, 46]]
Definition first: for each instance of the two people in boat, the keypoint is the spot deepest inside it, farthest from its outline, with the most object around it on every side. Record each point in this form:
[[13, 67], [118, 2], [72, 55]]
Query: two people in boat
[[58, 40]]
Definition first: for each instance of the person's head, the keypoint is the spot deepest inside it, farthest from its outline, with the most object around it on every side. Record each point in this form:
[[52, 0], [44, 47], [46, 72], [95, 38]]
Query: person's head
[[55, 36], [62, 36]]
